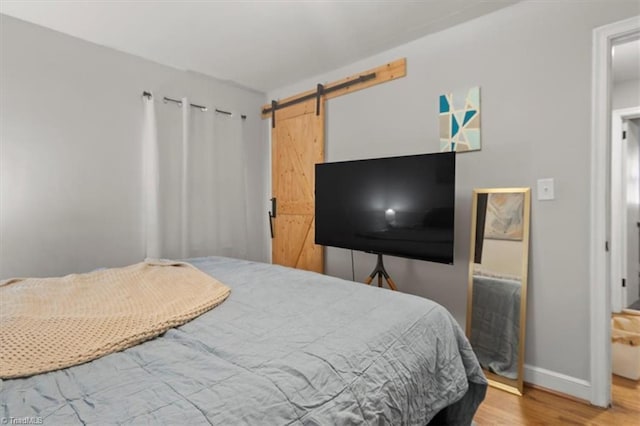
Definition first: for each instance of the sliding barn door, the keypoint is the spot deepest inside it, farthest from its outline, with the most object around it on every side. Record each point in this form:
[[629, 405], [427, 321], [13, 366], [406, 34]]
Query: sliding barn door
[[297, 145]]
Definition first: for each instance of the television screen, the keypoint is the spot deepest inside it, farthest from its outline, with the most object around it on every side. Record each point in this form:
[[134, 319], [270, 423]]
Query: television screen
[[400, 206]]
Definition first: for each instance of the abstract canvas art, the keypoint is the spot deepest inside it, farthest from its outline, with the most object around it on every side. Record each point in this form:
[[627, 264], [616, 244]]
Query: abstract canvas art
[[504, 216], [460, 120]]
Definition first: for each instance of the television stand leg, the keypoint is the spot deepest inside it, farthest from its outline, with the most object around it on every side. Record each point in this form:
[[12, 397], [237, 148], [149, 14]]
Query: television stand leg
[[380, 272]]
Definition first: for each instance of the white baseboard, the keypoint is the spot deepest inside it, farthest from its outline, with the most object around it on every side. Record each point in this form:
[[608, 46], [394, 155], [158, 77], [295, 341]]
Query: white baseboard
[[558, 382]]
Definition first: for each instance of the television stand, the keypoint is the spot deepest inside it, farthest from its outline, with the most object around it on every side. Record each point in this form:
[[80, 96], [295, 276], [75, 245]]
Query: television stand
[[381, 272]]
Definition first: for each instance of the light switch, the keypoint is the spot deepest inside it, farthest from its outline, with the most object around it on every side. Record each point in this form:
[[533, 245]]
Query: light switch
[[545, 189]]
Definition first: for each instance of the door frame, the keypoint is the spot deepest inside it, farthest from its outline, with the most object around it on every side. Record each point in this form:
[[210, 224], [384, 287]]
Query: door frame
[[603, 39], [619, 207]]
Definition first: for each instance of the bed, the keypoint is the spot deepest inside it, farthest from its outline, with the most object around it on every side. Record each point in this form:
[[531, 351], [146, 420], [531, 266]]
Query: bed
[[287, 347]]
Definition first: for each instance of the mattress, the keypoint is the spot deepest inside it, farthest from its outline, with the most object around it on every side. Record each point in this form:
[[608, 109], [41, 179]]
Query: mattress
[[288, 347]]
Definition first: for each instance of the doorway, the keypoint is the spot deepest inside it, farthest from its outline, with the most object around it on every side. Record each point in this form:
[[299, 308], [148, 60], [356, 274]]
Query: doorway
[[633, 219], [631, 193], [625, 207], [601, 232], [625, 162]]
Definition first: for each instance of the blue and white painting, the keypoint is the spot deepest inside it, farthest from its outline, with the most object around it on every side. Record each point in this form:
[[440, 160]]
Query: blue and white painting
[[460, 120]]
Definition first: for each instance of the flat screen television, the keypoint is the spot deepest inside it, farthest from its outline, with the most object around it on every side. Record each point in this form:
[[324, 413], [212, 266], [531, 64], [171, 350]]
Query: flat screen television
[[400, 206]]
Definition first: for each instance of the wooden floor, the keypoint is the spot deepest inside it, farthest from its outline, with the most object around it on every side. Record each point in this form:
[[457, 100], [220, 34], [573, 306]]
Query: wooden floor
[[538, 407]]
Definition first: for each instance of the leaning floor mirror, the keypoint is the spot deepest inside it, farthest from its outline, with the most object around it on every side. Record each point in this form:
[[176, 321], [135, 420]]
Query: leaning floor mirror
[[497, 295]]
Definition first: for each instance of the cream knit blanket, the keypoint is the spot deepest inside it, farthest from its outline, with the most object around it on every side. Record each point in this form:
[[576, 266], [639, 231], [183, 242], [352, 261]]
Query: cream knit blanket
[[52, 323]]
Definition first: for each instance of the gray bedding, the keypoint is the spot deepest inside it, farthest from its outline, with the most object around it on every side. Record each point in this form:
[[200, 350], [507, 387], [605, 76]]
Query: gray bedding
[[287, 347], [495, 324]]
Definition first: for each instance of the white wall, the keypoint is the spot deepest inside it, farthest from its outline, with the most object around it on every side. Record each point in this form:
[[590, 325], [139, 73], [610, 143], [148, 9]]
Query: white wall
[[70, 150], [625, 94], [533, 64]]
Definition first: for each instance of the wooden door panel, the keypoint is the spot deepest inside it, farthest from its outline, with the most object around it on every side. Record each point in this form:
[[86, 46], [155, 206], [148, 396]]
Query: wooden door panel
[[295, 180], [311, 252], [296, 207], [290, 232], [297, 144]]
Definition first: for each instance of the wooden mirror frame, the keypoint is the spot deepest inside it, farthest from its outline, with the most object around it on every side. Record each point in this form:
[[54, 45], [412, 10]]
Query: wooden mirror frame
[[510, 385]]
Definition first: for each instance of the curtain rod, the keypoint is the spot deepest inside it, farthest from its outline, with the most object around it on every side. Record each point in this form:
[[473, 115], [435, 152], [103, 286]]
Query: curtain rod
[[179, 102], [201, 107]]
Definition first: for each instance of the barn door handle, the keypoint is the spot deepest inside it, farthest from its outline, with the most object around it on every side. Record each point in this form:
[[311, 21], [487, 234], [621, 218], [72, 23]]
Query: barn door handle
[[271, 224], [272, 215]]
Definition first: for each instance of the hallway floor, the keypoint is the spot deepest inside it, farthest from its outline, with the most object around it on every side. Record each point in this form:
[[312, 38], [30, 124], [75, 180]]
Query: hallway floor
[[541, 407]]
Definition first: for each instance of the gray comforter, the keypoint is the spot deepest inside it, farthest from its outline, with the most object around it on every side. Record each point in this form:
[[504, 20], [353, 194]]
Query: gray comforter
[[287, 347]]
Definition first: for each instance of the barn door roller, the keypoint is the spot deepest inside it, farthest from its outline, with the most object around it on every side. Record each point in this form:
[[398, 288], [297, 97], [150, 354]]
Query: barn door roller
[[319, 94], [368, 78], [320, 91]]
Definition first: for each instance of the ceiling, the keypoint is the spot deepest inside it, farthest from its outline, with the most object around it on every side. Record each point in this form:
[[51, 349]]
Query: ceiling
[[626, 61], [262, 45]]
